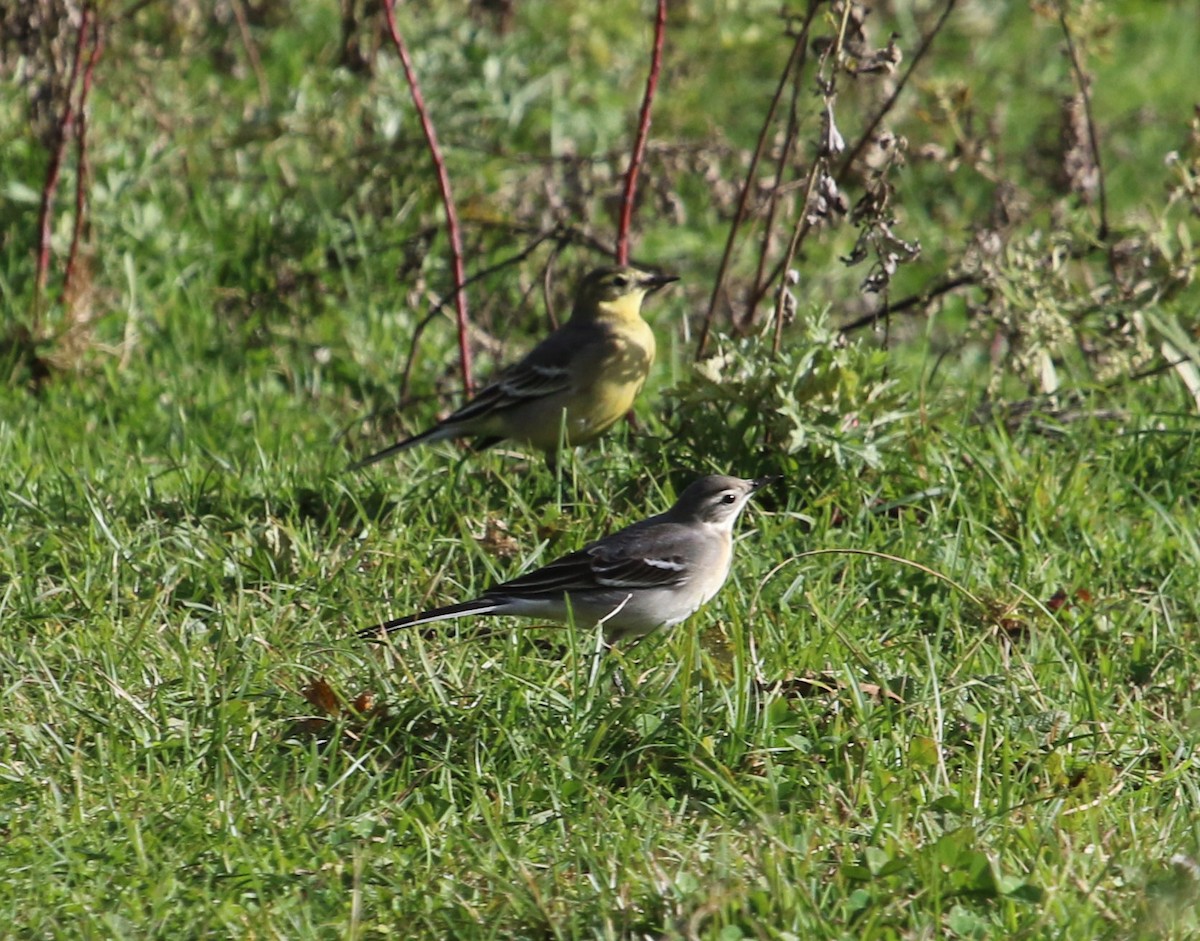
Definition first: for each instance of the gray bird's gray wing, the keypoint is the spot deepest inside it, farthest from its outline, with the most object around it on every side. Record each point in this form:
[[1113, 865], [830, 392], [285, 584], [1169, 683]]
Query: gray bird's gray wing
[[660, 555], [654, 556], [570, 573]]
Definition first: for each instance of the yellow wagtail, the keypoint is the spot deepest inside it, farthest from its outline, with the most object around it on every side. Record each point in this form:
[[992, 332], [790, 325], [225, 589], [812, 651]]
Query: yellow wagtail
[[579, 380], [652, 574]]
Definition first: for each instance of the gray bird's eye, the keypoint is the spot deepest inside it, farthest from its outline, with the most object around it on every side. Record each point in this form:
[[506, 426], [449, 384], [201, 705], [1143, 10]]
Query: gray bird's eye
[[728, 498]]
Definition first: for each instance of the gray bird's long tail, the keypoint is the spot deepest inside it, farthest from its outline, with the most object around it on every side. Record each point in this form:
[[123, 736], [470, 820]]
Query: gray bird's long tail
[[445, 613]]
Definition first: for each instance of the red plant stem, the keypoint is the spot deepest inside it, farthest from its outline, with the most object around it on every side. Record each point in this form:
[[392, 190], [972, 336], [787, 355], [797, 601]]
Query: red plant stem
[[744, 195], [81, 155], [520, 256], [639, 145], [50, 187], [443, 178]]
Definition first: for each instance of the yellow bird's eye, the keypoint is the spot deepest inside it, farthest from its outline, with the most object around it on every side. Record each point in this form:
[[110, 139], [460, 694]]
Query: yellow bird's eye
[[620, 281]]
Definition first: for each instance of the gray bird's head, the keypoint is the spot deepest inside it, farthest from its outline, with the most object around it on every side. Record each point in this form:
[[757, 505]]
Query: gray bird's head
[[618, 291], [716, 500]]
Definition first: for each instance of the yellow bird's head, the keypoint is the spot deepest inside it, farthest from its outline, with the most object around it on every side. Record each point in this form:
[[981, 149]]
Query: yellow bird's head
[[616, 293]]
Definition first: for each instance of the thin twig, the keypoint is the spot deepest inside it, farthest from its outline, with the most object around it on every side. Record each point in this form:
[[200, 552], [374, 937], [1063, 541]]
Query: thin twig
[[799, 233], [778, 189], [1082, 81], [819, 165], [547, 296], [602, 158], [913, 300], [443, 178], [643, 131], [50, 187], [1148, 373], [82, 170], [562, 233], [869, 131], [437, 308], [739, 213], [256, 66]]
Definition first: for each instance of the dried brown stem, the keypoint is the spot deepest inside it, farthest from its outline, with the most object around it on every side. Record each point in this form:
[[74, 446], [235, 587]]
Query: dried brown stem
[[520, 256], [795, 57], [643, 131], [50, 187], [562, 234], [443, 179], [256, 66], [777, 190], [913, 300], [868, 132], [864, 139], [1093, 141], [799, 233], [82, 168], [803, 225]]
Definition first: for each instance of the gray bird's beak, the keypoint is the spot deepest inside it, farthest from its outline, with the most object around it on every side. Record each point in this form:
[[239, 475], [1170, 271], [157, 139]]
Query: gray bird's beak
[[656, 280], [759, 482]]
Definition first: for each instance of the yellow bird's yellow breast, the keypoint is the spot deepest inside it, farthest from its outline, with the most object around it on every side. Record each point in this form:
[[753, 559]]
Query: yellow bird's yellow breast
[[612, 386], [608, 373]]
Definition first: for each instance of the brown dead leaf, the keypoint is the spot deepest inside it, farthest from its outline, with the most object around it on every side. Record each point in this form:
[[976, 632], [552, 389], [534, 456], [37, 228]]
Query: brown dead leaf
[[1013, 626], [1063, 600], [1006, 615], [1012, 623], [363, 703], [827, 683], [321, 696], [496, 541], [360, 711]]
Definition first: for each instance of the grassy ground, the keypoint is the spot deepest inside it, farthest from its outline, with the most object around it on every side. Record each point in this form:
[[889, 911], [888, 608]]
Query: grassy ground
[[985, 729]]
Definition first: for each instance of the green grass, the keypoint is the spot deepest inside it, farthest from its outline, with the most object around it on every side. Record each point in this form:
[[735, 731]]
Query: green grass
[[165, 620], [182, 553]]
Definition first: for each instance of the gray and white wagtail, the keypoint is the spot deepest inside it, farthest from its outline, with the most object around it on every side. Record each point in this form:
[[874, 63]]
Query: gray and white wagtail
[[647, 576]]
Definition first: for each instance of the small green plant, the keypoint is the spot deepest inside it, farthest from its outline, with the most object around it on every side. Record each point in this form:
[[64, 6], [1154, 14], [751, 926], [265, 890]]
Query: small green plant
[[822, 401]]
